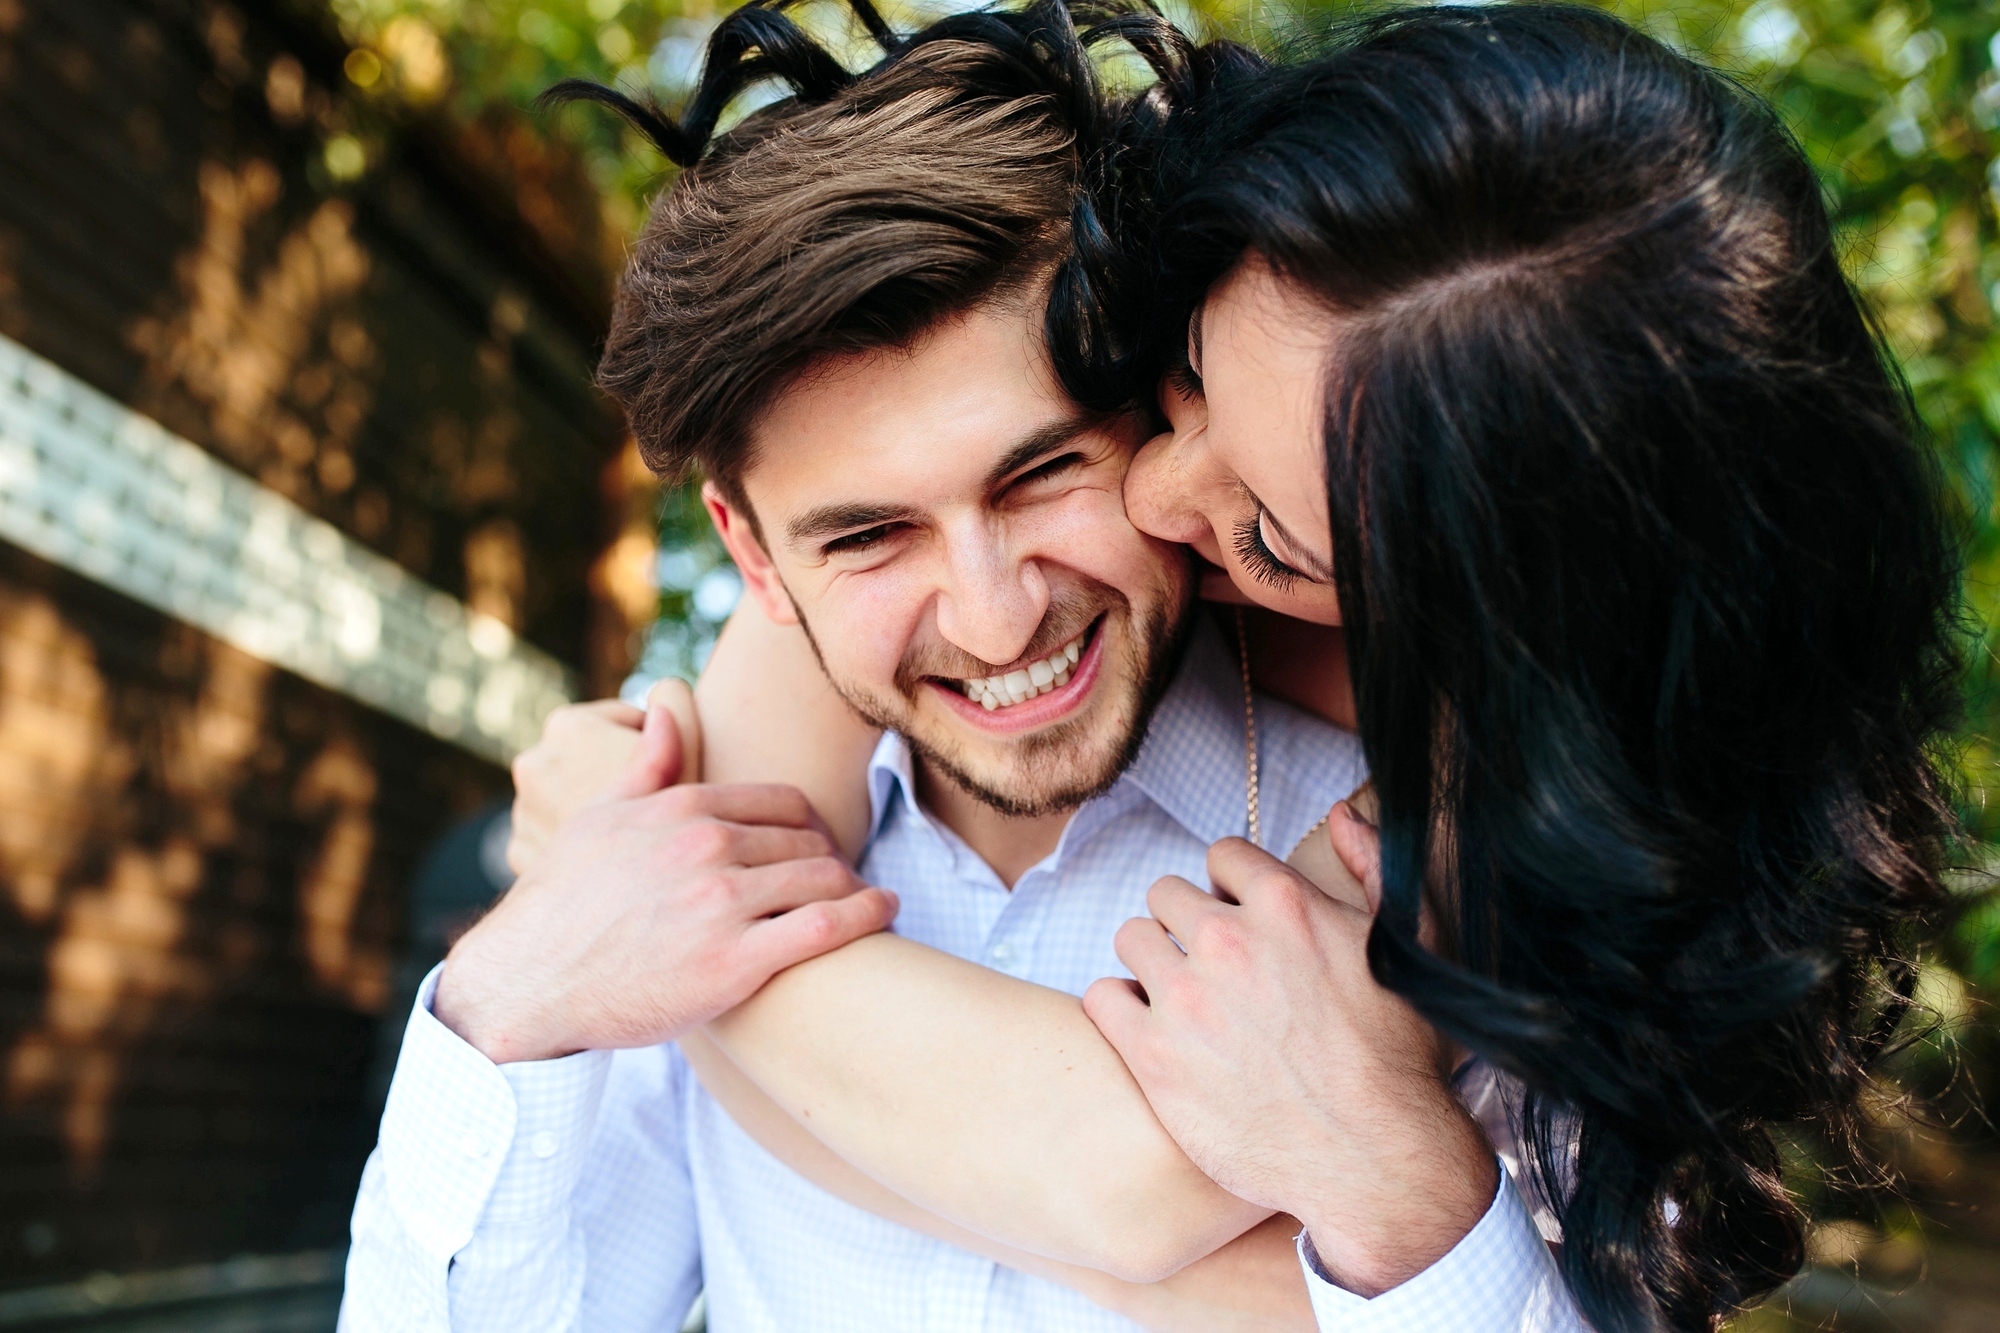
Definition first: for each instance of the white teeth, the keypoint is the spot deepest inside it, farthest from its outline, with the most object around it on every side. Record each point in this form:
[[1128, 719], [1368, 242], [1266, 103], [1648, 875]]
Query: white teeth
[[1051, 673]]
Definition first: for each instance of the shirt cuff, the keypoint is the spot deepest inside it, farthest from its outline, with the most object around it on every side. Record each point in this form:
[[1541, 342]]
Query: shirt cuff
[[1500, 1278], [463, 1138]]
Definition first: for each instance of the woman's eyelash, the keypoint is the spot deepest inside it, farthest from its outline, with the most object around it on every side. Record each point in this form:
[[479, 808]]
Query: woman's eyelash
[[1264, 566], [1185, 378]]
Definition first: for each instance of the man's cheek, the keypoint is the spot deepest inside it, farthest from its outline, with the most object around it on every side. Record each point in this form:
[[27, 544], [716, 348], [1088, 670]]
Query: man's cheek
[[1090, 534], [865, 624]]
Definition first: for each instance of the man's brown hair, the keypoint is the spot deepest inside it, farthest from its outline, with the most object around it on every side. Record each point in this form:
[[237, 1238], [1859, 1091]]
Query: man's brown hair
[[848, 217]]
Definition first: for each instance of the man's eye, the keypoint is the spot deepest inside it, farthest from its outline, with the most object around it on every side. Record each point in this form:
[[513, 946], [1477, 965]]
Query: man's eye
[[1055, 467], [862, 540]]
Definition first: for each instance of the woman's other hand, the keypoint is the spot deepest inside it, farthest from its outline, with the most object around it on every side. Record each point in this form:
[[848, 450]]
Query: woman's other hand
[[583, 749], [1287, 1073]]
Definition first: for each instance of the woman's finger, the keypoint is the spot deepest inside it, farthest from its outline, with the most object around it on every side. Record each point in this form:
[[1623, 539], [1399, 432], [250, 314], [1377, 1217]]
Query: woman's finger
[[768, 890], [1118, 1007], [1358, 844], [1315, 859], [656, 763], [1179, 905], [1239, 869], [816, 928], [677, 697], [1147, 953], [768, 844]]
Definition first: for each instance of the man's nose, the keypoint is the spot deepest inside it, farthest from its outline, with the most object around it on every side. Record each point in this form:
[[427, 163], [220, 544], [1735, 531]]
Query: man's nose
[[993, 601], [1160, 490]]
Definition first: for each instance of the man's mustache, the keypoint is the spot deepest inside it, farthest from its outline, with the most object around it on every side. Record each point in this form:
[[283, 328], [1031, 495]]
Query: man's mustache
[[1066, 618]]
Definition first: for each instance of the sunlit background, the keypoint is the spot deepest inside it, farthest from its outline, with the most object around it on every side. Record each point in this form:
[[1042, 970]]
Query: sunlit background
[[308, 515]]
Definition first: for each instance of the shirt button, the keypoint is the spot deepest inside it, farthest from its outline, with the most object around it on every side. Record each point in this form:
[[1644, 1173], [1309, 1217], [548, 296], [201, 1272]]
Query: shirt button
[[472, 1145], [1003, 955], [543, 1145]]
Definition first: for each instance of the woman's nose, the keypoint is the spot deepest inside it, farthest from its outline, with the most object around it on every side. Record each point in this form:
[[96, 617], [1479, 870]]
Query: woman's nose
[[1160, 490]]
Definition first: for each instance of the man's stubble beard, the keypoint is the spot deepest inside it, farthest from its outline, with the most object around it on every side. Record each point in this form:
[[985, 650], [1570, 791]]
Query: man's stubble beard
[[1153, 649]]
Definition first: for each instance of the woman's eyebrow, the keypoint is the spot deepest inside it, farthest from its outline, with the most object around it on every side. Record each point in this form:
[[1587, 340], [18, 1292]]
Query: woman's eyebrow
[[1194, 335], [1294, 548]]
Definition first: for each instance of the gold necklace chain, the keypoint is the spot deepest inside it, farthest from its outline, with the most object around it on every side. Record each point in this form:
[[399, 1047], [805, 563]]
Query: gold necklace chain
[[1249, 735]]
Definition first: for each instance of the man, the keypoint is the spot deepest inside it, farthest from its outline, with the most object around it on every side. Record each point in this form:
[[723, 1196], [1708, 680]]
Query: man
[[838, 316]]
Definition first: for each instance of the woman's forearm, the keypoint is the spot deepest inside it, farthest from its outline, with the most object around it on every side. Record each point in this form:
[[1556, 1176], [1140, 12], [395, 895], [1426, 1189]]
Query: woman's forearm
[[988, 1101], [1251, 1285], [768, 715], [985, 1100]]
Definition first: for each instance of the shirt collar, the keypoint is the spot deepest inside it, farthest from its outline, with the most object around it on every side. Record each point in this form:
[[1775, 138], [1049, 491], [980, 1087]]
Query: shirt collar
[[1191, 764]]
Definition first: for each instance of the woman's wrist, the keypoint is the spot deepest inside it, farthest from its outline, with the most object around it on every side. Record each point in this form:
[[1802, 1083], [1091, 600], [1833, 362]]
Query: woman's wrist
[[1369, 1241]]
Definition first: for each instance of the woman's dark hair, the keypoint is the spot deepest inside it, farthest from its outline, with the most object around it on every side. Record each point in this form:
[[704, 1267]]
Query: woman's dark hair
[[1650, 599]]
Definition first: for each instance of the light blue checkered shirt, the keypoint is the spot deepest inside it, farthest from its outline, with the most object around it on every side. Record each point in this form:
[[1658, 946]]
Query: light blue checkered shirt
[[601, 1192]]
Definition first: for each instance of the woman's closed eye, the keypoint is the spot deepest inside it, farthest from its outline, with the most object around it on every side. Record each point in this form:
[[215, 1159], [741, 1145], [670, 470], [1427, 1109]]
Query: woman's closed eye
[[1186, 381], [1261, 555], [1257, 556]]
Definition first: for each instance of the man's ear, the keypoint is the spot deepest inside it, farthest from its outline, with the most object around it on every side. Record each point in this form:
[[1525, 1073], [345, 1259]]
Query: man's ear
[[739, 538]]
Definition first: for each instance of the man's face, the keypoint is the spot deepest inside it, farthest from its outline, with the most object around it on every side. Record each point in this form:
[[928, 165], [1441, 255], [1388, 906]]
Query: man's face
[[950, 528]]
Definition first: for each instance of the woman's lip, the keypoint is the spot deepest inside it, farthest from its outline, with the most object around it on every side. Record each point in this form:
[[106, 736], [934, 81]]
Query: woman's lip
[[1040, 710]]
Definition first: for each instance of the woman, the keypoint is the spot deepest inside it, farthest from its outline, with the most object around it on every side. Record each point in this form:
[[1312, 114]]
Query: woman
[[1519, 346]]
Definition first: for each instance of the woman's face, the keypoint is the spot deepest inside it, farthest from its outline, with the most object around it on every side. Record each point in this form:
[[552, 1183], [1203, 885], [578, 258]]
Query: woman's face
[[1240, 475]]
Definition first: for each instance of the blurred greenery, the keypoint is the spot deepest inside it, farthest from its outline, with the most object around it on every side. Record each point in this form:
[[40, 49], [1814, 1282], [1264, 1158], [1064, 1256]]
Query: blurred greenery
[[1897, 103]]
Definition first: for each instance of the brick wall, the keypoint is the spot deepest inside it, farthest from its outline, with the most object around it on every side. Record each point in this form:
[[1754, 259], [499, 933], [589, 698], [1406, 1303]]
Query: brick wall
[[203, 859]]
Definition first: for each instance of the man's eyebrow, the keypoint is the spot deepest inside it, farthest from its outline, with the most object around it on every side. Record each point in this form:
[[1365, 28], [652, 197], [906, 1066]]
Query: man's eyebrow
[[1044, 440], [1294, 548], [833, 520]]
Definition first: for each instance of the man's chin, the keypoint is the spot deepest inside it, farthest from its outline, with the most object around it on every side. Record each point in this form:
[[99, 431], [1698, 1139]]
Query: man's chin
[[1051, 769], [1054, 768], [1055, 777]]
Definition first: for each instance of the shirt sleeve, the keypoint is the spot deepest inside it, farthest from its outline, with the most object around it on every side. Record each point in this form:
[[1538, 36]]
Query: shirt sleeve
[[467, 1216], [1501, 1278]]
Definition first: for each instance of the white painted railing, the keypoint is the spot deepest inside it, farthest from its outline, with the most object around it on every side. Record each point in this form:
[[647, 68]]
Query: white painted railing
[[89, 484]]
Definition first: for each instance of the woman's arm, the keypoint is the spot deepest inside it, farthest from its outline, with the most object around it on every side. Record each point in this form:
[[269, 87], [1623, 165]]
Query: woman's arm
[[768, 714], [1251, 1285], [988, 1101]]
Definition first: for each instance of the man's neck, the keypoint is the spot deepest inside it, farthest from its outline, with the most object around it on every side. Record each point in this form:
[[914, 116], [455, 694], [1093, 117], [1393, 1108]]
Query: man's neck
[[1010, 844]]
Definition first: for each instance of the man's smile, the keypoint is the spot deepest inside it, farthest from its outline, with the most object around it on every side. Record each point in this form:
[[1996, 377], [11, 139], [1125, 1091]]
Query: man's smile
[[1034, 695]]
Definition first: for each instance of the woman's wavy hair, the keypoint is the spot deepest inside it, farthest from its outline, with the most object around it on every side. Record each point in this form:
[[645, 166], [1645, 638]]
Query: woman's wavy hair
[[965, 165], [1651, 602]]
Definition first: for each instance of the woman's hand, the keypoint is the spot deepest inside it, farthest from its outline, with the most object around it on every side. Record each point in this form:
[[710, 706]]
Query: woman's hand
[[583, 749], [1287, 1073]]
